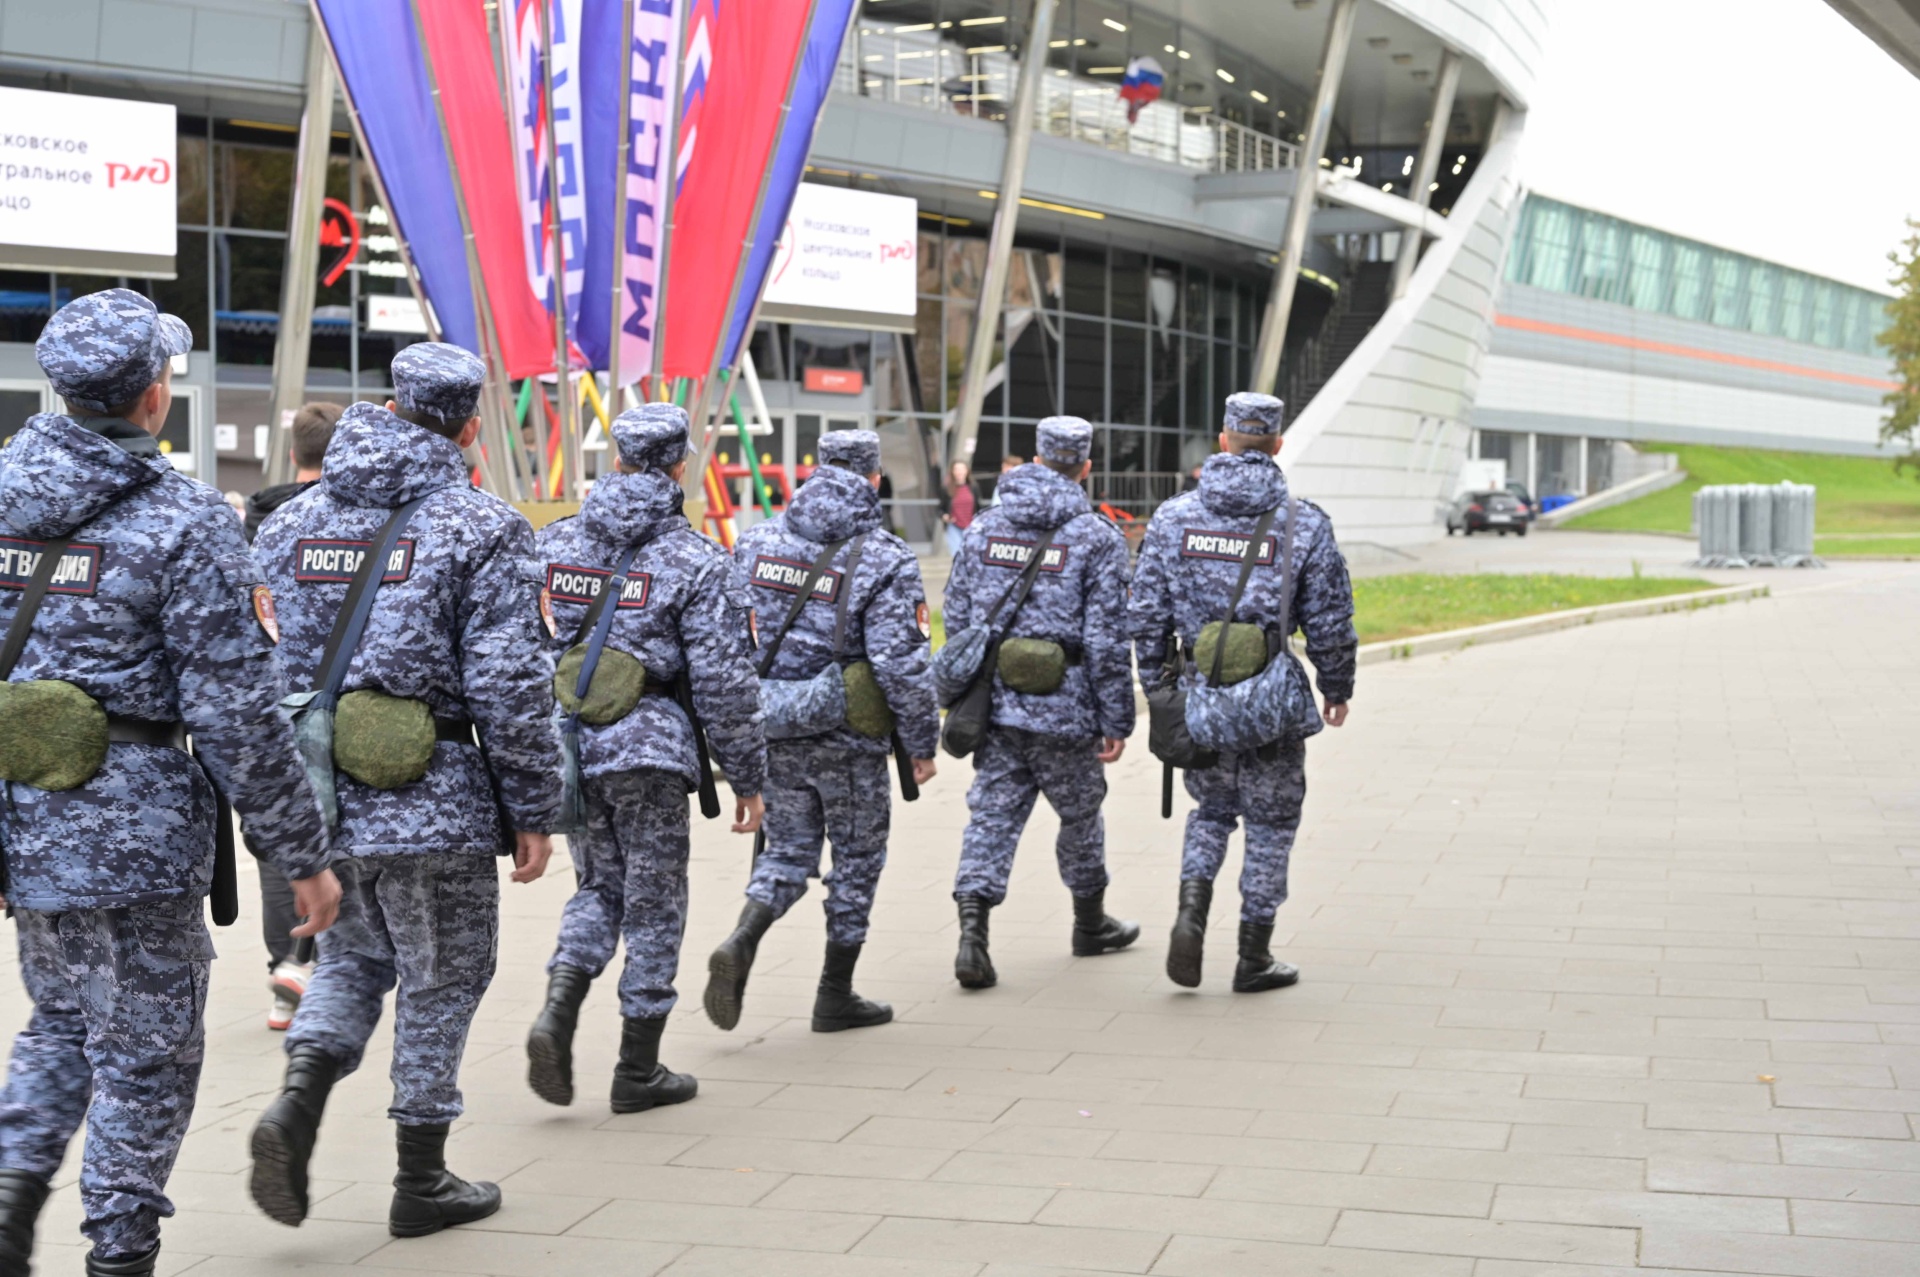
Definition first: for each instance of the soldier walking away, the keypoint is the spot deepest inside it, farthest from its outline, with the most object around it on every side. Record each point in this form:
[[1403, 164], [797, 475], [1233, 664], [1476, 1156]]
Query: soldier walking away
[[289, 961], [133, 617], [678, 626], [1189, 563], [841, 611], [452, 641], [1063, 692]]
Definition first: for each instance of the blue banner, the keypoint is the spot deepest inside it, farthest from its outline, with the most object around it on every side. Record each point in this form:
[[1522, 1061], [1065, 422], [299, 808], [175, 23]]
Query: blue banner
[[377, 49]]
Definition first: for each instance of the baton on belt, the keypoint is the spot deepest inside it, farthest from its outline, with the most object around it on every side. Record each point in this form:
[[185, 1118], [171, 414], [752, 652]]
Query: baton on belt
[[1166, 791], [909, 788]]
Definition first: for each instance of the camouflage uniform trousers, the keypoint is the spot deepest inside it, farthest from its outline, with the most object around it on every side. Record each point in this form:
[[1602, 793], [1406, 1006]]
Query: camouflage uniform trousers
[[630, 875], [817, 794], [431, 924], [116, 1040], [1011, 768], [1268, 796]]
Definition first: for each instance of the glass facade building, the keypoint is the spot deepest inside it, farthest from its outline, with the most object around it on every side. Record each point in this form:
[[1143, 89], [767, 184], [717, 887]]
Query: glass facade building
[[1574, 250]]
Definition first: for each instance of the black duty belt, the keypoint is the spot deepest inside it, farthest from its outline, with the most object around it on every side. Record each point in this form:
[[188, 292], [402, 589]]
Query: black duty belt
[[144, 731], [458, 731]]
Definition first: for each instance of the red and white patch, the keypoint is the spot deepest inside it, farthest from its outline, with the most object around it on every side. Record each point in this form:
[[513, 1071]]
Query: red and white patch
[[753, 627], [546, 612], [263, 612], [924, 619]]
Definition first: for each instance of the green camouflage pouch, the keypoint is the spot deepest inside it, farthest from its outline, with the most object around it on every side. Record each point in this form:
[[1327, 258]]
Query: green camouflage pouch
[[1246, 653], [381, 740], [1034, 666], [53, 736], [619, 680], [867, 710]]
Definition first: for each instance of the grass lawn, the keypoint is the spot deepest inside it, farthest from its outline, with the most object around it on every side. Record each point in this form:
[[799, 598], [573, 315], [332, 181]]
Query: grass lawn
[[1857, 494], [1392, 607]]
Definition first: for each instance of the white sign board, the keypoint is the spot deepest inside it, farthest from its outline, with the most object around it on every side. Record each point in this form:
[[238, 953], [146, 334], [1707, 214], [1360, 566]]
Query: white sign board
[[395, 314], [846, 251], [86, 184]]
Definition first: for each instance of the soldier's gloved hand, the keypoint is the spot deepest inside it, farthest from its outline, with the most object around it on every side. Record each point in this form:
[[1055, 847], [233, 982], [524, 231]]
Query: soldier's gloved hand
[[530, 852], [317, 899], [923, 770], [1335, 714], [747, 814], [1111, 749]]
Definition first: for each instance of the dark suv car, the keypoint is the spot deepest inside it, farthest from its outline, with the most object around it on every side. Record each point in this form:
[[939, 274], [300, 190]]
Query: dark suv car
[[1500, 512]]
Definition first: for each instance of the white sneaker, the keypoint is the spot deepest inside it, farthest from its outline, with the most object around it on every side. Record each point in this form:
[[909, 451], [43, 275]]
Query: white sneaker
[[289, 981], [281, 1016]]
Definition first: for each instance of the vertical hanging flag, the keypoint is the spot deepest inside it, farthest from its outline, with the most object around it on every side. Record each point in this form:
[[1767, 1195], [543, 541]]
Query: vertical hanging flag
[[646, 76], [1141, 85], [544, 212]]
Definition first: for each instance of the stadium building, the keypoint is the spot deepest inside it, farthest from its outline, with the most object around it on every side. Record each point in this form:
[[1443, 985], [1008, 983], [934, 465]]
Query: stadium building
[[1421, 312]]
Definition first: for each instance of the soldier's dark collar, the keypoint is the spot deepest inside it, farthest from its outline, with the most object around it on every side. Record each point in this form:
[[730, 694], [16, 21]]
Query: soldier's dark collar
[[125, 433]]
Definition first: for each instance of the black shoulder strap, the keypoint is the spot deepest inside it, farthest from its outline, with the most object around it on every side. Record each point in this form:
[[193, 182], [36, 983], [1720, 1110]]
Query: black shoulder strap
[[1247, 561], [846, 594], [1019, 590], [43, 571], [351, 621], [814, 574], [600, 621]]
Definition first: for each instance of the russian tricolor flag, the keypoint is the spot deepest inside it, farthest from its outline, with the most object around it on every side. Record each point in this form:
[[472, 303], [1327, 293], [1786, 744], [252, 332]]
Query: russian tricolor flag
[[1142, 85]]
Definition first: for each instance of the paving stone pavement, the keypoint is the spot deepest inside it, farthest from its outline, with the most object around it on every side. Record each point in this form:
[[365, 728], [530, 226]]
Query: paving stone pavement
[[1611, 963]]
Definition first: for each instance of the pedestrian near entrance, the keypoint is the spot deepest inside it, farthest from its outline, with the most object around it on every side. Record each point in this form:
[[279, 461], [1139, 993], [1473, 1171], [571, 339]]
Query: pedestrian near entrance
[[678, 636], [842, 614], [451, 643], [1195, 549], [133, 617], [289, 961], [1063, 691], [959, 502]]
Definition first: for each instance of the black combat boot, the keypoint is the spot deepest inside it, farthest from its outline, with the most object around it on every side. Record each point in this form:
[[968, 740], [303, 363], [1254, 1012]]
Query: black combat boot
[[973, 966], [835, 1005], [550, 1042], [283, 1138], [1189, 932], [428, 1197], [640, 1081], [728, 967], [140, 1265], [22, 1194], [1094, 932], [1259, 969]]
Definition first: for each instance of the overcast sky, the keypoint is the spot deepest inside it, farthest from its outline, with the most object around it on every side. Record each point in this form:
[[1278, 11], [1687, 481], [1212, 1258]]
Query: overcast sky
[[1768, 126]]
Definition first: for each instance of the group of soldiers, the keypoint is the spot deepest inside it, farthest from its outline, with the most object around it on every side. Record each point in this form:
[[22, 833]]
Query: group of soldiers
[[500, 687]]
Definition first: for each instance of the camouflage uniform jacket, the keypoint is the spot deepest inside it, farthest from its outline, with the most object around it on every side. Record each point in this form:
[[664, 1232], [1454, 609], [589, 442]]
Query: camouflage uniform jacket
[[678, 613], [1079, 601], [1191, 558], [158, 619], [456, 623], [887, 620]]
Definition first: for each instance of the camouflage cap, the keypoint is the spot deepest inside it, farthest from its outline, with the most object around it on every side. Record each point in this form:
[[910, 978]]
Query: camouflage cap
[[1249, 413], [104, 349], [438, 379], [855, 450], [1065, 441], [654, 436]]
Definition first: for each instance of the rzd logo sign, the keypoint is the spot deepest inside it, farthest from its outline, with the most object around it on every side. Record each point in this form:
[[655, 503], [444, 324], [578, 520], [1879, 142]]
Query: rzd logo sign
[[155, 172]]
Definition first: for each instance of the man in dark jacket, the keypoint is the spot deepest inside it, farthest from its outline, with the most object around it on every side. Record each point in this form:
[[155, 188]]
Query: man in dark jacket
[[454, 629], [1188, 565], [680, 615], [1045, 740], [868, 607], [157, 616], [289, 961]]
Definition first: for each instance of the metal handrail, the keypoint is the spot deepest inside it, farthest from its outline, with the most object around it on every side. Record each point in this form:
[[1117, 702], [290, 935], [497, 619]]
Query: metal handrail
[[918, 69]]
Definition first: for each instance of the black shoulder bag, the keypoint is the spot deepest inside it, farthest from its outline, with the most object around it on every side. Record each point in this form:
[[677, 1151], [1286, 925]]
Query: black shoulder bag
[[1167, 736], [903, 764], [972, 712]]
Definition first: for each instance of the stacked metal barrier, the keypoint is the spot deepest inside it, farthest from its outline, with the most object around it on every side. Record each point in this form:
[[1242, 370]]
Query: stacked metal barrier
[[1756, 525]]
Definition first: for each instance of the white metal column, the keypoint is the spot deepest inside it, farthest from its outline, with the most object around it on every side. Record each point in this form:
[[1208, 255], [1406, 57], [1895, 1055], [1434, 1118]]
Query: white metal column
[[1013, 176], [294, 341], [1306, 184], [1427, 166]]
